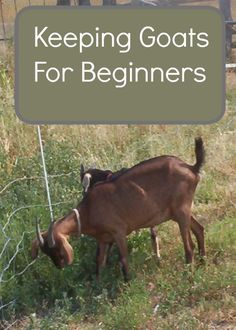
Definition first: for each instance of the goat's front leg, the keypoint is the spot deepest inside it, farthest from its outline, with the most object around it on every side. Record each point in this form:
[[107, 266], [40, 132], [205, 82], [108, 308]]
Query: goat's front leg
[[155, 242], [100, 258], [122, 246]]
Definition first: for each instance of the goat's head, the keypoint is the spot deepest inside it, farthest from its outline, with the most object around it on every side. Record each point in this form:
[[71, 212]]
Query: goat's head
[[54, 245], [92, 176]]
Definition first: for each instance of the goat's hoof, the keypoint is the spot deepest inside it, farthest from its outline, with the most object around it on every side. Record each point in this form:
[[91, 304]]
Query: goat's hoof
[[158, 261], [126, 279], [203, 259], [189, 268]]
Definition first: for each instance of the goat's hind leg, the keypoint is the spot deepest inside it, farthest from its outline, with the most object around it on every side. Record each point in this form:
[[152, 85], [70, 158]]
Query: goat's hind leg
[[155, 243], [198, 231], [122, 246], [100, 258], [191, 241], [184, 221], [108, 253]]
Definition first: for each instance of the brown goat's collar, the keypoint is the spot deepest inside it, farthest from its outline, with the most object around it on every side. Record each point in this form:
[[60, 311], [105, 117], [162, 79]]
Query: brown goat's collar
[[78, 221]]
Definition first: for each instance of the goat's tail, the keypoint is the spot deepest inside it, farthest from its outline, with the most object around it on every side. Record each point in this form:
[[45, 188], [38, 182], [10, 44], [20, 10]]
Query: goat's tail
[[200, 155]]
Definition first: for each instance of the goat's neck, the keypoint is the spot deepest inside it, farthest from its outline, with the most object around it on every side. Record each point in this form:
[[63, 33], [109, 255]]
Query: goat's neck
[[69, 225]]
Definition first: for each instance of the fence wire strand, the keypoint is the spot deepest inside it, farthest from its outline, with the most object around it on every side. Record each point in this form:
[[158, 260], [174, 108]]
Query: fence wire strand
[[33, 178]]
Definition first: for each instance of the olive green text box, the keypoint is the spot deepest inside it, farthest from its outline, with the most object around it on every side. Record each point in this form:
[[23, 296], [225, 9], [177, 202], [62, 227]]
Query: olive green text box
[[119, 65]]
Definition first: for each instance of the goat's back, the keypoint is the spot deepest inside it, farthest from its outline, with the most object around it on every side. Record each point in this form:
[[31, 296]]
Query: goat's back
[[145, 195]]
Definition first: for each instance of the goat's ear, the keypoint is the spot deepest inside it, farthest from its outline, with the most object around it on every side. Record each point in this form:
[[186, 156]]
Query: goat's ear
[[34, 249], [86, 181], [82, 171], [66, 251]]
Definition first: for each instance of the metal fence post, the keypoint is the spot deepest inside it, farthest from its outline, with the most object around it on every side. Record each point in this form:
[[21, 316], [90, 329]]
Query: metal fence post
[[225, 7], [3, 22], [45, 172], [15, 6]]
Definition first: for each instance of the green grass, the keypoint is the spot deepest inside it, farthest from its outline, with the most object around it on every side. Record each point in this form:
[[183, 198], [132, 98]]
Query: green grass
[[165, 296], [181, 298]]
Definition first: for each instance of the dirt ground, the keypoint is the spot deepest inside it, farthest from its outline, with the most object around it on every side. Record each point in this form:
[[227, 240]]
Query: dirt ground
[[231, 79]]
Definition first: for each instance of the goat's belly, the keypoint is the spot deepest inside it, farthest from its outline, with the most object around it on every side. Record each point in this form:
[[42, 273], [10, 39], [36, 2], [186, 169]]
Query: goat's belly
[[147, 222], [104, 237]]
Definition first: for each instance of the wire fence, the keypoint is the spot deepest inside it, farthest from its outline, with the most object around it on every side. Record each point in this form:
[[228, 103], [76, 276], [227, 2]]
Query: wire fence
[[10, 8], [13, 245]]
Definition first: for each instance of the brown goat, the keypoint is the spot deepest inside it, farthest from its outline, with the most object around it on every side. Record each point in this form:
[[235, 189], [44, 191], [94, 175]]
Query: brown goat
[[146, 195], [92, 176]]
